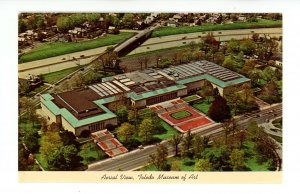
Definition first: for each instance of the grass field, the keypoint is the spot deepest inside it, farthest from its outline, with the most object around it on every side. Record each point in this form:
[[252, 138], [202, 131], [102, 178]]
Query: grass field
[[53, 49], [204, 105], [42, 161], [170, 131], [53, 77], [90, 152], [181, 114], [262, 23]]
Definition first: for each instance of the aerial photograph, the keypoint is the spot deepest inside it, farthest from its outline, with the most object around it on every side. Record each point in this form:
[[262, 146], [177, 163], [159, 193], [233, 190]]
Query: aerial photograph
[[150, 92]]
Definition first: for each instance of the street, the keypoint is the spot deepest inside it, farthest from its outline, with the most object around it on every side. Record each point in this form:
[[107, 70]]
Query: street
[[139, 158]]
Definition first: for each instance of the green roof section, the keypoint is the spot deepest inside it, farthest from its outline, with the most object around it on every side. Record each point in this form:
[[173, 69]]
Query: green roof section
[[142, 96], [70, 118], [213, 80], [107, 79]]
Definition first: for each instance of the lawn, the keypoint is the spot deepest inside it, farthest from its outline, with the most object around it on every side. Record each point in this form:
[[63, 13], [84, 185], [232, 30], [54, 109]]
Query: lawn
[[191, 98], [42, 161], [170, 131], [90, 152], [204, 105], [262, 23], [53, 49], [252, 161], [181, 114], [186, 164], [53, 77]]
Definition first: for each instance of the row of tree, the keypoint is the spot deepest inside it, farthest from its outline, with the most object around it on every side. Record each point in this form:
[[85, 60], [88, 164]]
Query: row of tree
[[225, 153]]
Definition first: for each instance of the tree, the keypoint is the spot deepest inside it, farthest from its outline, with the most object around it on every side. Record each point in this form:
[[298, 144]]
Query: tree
[[254, 132], [268, 73], [68, 138], [187, 143], [127, 20], [237, 159], [64, 158], [270, 92], [199, 145], [125, 131], [122, 113], [175, 141], [219, 110], [29, 106], [248, 46], [50, 141], [218, 156], [159, 158], [22, 26], [203, 165], [31, 140], [146, 130], [175, 165]]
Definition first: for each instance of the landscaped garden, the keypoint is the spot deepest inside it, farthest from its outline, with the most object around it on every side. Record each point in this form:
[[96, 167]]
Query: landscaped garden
[[169, 131], [90, 152], [203, 105]]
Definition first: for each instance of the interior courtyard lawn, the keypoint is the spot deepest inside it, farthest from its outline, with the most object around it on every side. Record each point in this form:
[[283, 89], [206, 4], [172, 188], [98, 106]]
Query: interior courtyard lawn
[[170, 131], [90, 152], [53, 49], [261, 23], [54, 77], [204, 105], [181, 114], [191, 98]]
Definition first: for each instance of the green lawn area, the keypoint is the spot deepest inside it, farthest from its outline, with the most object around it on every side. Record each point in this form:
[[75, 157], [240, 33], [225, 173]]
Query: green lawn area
[[53, 77], [262, 23], [42, 161], [90, 152], [186, 164], [191, 98], [181, 114], [26, 125], [170, 131], [252, 161], [204, 105], [53, 49]]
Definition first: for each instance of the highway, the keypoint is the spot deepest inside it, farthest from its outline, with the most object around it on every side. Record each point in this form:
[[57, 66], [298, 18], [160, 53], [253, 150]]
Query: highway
[[139, 158], [184, 39]]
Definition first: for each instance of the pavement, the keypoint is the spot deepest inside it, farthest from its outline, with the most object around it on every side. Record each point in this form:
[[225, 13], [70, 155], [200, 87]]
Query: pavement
[[60, 62], [165, 42], [140, 157]]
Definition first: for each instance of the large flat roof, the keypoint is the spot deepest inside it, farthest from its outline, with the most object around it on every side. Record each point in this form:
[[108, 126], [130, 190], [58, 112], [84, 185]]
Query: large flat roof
[[47, 100]]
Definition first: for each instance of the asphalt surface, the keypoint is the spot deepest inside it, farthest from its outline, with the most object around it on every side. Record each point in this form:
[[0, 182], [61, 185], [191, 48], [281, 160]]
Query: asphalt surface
[[184, 39], [139, 158]]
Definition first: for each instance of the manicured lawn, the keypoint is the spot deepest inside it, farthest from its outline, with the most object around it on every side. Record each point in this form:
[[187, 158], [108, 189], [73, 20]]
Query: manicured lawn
[[181, 114], [90, 152], [262, 23], [170, 131], [191, 98], [60, 48], [53, 77], [204, 105]]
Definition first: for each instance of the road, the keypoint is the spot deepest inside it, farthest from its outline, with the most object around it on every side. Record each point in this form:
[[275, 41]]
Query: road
[[138, 158], [184, 39], [59, 63]]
